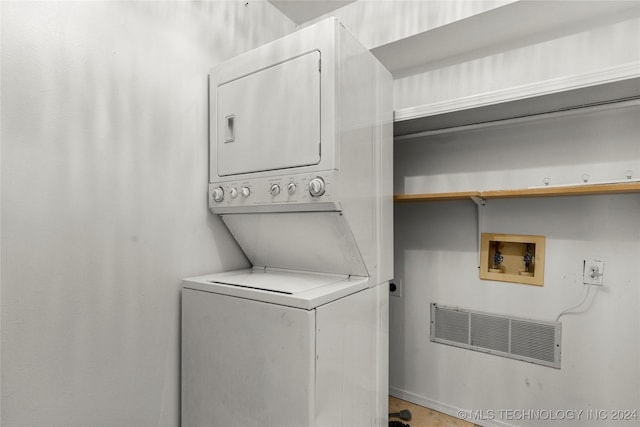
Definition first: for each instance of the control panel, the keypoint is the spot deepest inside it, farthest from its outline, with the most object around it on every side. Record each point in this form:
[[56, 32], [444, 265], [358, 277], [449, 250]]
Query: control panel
[[284, 192]]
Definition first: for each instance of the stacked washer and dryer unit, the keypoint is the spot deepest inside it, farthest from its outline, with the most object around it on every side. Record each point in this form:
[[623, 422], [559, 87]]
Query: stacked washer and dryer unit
[[301, 174]]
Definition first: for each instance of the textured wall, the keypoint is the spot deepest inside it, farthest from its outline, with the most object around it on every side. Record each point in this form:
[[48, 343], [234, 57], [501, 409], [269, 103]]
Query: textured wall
[[602, 144], [375, 23], [581, 48], [104, 210]]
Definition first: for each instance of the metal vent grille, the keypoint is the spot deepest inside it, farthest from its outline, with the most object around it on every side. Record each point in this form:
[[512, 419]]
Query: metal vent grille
[[490, 332], [452, 325], [533, 341]]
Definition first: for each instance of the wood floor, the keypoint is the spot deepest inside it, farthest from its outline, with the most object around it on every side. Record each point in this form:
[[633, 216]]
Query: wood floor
[[424, 417]]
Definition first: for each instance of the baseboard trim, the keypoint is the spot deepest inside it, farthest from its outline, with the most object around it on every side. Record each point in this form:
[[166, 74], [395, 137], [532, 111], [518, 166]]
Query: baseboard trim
[[441, 407]]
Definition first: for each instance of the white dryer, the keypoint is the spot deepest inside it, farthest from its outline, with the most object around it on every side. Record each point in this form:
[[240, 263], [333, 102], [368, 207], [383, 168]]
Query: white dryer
[[301, 174]]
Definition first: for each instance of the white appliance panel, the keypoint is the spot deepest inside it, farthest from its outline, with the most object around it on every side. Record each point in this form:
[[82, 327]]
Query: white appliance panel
[[293, 194], [246, 363], [270, 119], [277, 286], [310, 241], [286, 282], [249, 363], [352, 356], [319, 39]]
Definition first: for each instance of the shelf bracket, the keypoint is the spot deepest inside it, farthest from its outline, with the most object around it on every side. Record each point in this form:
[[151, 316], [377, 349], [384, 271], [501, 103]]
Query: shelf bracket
[[480, 203]]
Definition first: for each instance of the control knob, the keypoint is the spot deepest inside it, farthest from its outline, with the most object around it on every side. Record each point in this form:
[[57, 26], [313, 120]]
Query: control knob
[[218, 194], [291, 188], [233, 193], [245, 192], [274, 190], [316, 187]]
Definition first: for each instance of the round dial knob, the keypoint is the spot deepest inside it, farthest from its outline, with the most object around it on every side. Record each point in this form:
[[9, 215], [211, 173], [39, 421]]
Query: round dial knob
[[291, 188], [233, 193], [316, 187], [218, 194], [245, 192], [274, 190]]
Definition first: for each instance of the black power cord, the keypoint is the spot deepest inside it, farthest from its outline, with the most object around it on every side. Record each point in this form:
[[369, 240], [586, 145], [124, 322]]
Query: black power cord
[[404, 415]]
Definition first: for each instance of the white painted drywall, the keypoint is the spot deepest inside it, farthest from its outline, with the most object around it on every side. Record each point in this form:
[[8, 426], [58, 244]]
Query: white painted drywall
[[601, 145], [581, 48], [375, 23], [104, 205], [436, 258]]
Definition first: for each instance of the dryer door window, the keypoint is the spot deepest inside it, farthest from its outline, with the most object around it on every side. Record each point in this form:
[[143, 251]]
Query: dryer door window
[[270, 119]]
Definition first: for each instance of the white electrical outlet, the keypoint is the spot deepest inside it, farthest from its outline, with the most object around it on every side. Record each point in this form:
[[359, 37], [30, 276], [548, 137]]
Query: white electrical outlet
[[593, 272], [395, 288]]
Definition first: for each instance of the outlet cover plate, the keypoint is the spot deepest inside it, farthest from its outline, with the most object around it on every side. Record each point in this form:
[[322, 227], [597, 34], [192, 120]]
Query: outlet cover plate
[[593, 272]]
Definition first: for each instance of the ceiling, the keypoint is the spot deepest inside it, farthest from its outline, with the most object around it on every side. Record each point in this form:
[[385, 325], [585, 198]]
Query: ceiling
[[301, 11]]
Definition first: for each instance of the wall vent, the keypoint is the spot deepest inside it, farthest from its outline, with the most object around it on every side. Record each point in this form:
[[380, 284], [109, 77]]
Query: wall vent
[[533, 341]]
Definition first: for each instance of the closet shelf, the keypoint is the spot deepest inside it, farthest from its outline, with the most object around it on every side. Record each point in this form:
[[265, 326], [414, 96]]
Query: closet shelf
[[575, 190], [616, 87]]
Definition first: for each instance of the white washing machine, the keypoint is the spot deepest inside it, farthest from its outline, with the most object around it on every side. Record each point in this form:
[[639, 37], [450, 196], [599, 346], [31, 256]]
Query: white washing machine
[[283, 348], [300, 172]]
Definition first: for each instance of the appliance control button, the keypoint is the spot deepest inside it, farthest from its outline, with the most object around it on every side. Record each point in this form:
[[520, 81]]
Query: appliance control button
[[291, 188], [233, 192], [218, 194], [245, 192], [274, 190], [316, 187]]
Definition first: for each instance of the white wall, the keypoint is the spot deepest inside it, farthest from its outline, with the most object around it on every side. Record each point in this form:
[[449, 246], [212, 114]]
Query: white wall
[[375, 23], [605, 43], [436, 258], [602, 144], [104, 207]]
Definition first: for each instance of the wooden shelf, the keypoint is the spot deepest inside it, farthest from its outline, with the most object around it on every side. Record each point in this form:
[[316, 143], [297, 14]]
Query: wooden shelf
[[435, 197], [559, 191]]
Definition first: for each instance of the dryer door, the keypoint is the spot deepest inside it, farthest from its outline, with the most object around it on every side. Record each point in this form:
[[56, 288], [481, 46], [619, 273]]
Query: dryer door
[[270, 119]]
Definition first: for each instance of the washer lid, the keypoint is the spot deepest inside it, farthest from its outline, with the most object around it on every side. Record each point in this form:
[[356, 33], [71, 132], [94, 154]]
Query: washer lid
[[293, 288], [284, 282]]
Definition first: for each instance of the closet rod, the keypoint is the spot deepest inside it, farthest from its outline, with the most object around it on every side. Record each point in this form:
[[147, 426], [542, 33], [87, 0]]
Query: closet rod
[[587, 108]]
